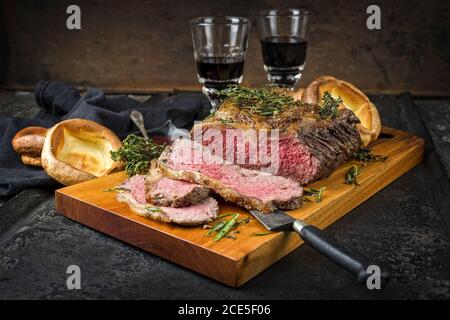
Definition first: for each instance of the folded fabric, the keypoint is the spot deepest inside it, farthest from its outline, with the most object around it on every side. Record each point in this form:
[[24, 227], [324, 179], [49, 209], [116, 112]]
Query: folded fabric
[[60, 101]]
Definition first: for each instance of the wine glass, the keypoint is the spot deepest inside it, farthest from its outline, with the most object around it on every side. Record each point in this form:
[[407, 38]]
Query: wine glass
[[283, 36], [220, 44]]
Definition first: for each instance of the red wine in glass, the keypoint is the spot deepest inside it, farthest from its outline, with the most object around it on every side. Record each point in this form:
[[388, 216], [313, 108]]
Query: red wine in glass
[[283, 36], [284, 52], [220, 72], [284, 58], [220, 44]]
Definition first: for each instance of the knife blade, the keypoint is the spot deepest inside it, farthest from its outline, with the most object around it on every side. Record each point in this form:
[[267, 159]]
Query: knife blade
[[320, 241]]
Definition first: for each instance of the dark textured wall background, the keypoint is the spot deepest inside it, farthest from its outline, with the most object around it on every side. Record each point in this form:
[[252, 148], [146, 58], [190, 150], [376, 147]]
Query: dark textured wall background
[[145, 45]]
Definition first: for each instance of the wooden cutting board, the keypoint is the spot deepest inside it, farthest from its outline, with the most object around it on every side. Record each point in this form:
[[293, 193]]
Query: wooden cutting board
[[234, 262]]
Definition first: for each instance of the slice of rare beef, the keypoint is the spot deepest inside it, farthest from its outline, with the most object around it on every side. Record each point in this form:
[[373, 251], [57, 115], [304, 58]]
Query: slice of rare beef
[[162, 191], [252, 189], [132, 192]]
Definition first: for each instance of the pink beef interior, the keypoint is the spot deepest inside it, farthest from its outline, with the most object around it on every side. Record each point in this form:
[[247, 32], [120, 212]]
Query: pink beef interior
[[136, 186], [202, 211], [192, 215], [250, 183], [295, 159], [173, 188]]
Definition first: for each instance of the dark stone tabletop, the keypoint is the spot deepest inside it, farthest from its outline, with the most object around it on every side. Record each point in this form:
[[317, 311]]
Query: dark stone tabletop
[[405, 228]]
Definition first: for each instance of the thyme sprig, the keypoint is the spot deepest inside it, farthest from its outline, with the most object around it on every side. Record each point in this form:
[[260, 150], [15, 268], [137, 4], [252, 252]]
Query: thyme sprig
[[351, 175], [137, 152], [313, 192], [329, 109], [266, 101], [365, 154]]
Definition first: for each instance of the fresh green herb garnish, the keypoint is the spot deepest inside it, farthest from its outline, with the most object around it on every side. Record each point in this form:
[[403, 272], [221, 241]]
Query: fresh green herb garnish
[[364, 154], [330, 105], [226, 121], [153, 209], [219, 225], [258, 234], [266, 101], [318, 193], [351, 175], [137, 152], [227, 227]]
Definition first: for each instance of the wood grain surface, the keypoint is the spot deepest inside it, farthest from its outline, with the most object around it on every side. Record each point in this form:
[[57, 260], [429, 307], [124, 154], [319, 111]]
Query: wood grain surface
[[234, 262]]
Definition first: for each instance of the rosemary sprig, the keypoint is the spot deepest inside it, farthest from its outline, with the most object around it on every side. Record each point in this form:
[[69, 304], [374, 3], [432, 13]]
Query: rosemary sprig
[[259, 234], [318, 193], [329, 106], [219, 225], [227, 227], [137, 152], [266, 101], [351, 175], [364, 154], [153, 209]]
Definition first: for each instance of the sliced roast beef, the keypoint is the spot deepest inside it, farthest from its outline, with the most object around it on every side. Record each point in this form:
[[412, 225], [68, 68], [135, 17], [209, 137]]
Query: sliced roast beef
[[162, 191], [136, 186], [132, 192], [309, 147], [252, 189]]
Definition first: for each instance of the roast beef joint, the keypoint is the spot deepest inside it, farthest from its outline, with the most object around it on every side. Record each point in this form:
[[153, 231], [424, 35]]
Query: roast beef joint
[[218, 158]]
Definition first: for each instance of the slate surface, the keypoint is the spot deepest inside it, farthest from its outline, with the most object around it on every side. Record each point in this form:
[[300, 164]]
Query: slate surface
[[436, 118], [405, 228]]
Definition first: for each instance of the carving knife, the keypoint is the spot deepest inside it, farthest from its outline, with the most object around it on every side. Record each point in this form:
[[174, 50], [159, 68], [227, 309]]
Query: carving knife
[[320, 241]]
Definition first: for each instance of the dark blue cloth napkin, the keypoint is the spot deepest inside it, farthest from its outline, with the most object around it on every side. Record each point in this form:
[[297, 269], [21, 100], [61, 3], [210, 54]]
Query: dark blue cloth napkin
[[60, 101]]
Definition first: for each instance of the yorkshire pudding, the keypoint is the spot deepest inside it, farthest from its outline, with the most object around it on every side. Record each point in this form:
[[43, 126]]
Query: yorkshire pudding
[[28, 143], [77, 150], [352, 98]]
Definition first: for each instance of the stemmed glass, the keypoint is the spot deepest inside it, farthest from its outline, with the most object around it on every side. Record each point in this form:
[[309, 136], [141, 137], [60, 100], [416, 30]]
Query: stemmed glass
[[220, 44], [283, 36]]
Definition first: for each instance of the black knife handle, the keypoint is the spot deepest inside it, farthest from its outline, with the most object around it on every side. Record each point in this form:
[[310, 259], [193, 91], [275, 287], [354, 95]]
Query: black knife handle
[[336, 252]]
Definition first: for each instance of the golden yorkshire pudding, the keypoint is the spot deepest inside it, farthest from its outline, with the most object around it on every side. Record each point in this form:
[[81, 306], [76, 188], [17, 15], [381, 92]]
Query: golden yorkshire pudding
[[28, 143], [353, 99], [77, 150]]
